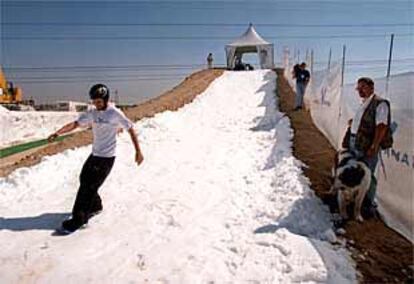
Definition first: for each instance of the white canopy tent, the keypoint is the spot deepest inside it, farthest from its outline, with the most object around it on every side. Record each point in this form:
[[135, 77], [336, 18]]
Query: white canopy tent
[[250, 42]]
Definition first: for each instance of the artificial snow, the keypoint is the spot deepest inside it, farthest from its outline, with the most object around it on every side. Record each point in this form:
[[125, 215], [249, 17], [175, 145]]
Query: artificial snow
[[219, 198], [24, 126]]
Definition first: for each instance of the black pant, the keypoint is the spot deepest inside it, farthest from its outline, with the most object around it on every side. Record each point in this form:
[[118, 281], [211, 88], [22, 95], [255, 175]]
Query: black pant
[[94, 172]]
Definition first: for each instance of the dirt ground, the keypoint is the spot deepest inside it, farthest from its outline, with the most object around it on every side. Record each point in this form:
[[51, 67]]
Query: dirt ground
[[173, 99], [381, 255]]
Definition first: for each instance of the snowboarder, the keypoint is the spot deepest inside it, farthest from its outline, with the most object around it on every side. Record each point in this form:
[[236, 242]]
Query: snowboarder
[[105, 119]]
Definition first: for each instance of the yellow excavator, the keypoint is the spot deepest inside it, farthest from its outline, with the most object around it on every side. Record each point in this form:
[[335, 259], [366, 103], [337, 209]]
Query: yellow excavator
[[8, 93]]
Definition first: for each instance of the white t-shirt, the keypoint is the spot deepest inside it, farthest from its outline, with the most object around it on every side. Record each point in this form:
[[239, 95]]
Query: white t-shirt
[[105, 125], [381, 115]]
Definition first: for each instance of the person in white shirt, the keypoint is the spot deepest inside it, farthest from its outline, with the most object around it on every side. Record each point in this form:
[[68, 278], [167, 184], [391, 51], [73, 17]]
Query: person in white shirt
[[367, 130], [105, 120]]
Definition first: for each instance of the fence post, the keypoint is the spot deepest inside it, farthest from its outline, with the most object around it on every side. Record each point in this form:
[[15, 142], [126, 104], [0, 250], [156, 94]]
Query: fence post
[[343, 64], [295, 52], [390, 56], [285, 57], [311, 61], [329, 59], [340, 95], [389, 65]]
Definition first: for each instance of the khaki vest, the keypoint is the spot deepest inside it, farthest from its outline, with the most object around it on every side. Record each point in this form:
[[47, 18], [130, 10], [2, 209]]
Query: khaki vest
[[366, 131]]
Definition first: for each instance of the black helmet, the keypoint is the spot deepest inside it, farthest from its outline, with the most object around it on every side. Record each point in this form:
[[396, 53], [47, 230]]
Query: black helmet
[[99, 91]]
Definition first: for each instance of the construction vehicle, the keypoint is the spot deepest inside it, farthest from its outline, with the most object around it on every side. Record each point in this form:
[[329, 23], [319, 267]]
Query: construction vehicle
[[9, 94], [12, 97]]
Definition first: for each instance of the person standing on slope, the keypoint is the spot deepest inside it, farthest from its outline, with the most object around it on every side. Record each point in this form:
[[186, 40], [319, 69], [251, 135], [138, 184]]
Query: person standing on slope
[[105, 120], [302, 80], [210, 61]]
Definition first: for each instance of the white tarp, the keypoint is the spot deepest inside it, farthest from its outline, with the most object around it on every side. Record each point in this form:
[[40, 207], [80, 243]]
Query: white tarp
[[332, 106], [250, 42]]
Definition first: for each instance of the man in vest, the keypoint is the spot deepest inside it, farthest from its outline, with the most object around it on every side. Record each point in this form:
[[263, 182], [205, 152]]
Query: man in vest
[[366, 133]]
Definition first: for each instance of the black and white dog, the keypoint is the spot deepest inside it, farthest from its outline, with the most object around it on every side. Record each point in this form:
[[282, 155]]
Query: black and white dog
[[351, 181]]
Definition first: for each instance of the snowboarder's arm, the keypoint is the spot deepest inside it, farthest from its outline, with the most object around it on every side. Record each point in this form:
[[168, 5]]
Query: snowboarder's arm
[[138, 155], [127, 124], [67, 128]]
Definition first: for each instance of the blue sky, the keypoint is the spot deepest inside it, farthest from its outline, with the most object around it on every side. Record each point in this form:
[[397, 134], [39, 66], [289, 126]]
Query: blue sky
[[107, 41]]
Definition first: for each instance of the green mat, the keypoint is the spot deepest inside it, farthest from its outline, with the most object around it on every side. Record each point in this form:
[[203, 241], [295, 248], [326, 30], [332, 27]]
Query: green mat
[[5, 152]]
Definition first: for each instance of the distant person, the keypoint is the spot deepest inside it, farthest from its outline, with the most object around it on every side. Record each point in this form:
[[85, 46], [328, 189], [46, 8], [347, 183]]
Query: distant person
[[105, 119], [368, 132], [302, 80], [210, 61], [239, 66], [295, 71]]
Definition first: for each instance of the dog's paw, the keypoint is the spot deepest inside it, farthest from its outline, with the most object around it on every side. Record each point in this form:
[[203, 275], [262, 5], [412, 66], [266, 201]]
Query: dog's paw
[[360, 219], [340, 231]]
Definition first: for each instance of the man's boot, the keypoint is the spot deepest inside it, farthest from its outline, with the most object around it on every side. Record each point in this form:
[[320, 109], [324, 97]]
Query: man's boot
[[78, 220], [96, 207]]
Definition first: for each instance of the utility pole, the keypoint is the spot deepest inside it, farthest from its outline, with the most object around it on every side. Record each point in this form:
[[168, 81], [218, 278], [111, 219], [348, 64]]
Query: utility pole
[[116, 97]]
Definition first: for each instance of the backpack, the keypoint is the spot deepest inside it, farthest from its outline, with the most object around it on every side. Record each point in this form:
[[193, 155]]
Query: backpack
[[387, 141]]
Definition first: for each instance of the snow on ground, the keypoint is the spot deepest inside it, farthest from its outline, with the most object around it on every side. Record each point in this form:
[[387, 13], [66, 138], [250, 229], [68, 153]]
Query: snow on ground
[[219, 198], [3, 110], [24, 126]]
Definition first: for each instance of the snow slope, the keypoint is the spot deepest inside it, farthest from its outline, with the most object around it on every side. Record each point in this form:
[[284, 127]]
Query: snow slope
[[219, 198], [22, 126]]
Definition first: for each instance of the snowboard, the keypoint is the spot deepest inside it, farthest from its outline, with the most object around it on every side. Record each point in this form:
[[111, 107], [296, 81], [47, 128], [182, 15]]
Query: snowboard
[[63, 232]]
